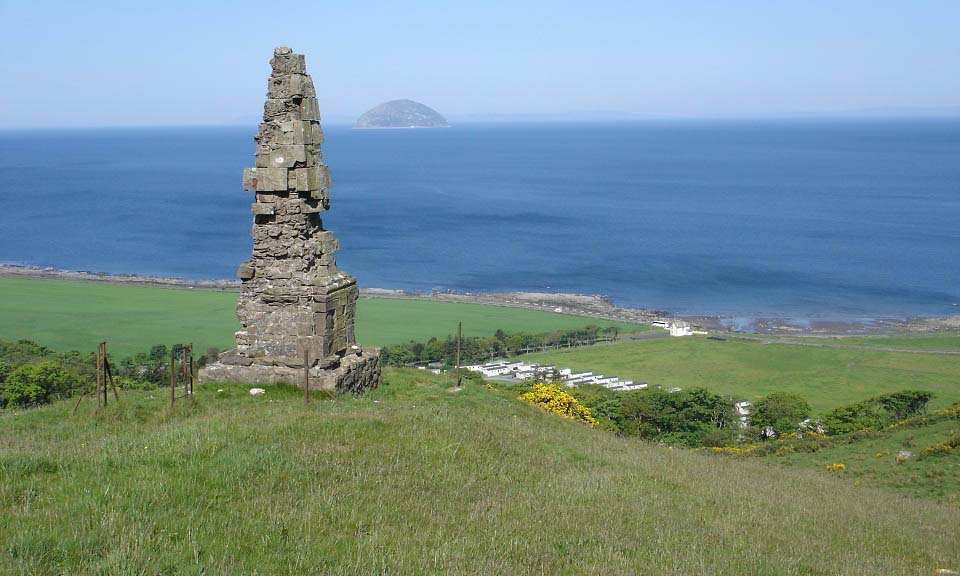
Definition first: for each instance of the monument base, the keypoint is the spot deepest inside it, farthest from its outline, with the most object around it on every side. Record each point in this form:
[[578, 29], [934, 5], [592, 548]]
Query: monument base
[[351, 373]]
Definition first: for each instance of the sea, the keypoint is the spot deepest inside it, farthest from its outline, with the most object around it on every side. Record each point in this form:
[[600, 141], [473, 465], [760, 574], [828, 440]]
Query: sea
[[806, 220]]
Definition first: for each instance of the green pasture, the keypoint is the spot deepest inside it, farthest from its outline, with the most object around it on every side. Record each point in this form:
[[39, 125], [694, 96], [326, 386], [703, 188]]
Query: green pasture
[[414, 479], [949, 341], [68, 315], [825, 377], [873, 461]]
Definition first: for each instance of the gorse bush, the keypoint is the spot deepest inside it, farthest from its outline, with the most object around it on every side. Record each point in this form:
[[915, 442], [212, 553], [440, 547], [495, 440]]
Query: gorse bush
[[949, 446], [553, 398], [876, 412]]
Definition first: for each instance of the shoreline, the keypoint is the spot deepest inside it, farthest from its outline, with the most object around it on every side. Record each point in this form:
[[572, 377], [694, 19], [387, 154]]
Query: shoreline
[[583, 305]]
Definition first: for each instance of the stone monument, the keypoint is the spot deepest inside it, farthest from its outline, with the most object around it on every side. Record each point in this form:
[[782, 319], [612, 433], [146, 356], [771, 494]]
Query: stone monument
[[294, 303]]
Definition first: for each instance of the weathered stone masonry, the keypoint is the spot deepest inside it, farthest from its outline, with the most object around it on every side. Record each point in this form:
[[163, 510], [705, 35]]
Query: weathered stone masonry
[[293, 299]]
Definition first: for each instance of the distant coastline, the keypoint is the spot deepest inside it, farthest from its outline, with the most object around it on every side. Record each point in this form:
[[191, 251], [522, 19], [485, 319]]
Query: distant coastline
[[584, 305], [399, 127]]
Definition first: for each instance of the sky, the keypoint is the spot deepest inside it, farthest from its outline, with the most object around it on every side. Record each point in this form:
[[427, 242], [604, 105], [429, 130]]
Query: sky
[[130, 63]]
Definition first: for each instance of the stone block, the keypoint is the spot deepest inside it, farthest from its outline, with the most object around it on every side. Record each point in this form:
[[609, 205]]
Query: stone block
[[285, 61], [260, 209], [249, 179], [246, 271], [269, 133], [310, 178], [290, 86], [300, 132], [282, 156], [266, 179], [280, 110], [309, 109], [317, 135]]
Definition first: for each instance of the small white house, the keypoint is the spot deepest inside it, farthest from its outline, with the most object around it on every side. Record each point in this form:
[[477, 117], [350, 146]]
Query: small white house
[[680, 328]]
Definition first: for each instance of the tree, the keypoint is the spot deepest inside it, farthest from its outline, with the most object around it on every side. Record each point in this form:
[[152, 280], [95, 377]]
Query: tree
[[684, 417], [781, 411], [876, 412], [32, 384]]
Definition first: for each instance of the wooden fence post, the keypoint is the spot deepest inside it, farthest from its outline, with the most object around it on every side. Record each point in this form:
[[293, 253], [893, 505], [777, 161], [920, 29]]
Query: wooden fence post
[[459, 340], [97, 392], [108, 372], [183, 369], [173, 377], [191, 368], [103, 369]]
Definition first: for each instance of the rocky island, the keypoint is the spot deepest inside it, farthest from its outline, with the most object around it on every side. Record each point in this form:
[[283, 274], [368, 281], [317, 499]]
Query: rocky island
[[401, 114]]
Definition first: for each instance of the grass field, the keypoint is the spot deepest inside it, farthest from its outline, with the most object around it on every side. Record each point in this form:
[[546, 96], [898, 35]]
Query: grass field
[[826, 377], [76, 315], [873, 461], [915, 342], [412, 479]]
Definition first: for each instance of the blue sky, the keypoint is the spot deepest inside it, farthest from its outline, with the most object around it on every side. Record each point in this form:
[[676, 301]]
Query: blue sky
[[106, 63]]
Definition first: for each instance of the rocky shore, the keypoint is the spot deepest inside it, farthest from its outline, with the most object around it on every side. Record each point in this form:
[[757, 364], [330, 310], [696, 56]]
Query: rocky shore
[[591, 306]]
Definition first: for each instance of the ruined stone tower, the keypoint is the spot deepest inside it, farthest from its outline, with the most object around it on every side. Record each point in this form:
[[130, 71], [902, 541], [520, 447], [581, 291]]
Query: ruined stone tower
[[293, 299]]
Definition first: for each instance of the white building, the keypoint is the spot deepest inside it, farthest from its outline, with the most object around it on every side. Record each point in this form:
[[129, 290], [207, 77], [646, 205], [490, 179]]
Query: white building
[[680, 328]]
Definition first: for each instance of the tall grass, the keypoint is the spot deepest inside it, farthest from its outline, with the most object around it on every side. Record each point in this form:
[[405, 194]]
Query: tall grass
[[413, 479]]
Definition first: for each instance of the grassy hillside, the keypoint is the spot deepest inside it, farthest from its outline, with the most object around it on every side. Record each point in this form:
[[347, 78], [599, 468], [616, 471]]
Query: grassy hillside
[[76, 315], [826, 377], [413, 479], [873, 461]]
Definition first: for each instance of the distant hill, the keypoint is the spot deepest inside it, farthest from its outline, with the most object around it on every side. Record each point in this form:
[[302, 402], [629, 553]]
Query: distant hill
[[401, 114]]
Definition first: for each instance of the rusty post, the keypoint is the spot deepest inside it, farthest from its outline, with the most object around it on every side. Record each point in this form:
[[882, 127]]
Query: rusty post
[[173, 376], [191, 368], [183, 369], [306, 376], [98, 377], [103, 370], [459, 340], [109, 374]]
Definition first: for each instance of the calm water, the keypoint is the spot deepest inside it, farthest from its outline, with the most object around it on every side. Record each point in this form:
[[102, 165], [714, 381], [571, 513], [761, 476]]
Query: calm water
[[805, 219]]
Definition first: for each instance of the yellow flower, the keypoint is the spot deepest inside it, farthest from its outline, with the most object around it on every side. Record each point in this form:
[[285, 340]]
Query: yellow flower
[[554, 399]]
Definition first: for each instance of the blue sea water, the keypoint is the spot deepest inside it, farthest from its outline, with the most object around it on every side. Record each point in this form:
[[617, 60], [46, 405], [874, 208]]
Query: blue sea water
[[806, 219]]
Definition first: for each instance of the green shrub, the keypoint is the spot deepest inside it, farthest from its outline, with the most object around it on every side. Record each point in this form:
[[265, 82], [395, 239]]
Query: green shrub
[[720, 437], [950, 446], [33, 384], [877, 412], [684, 417], [781, 411], [604, 404]]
